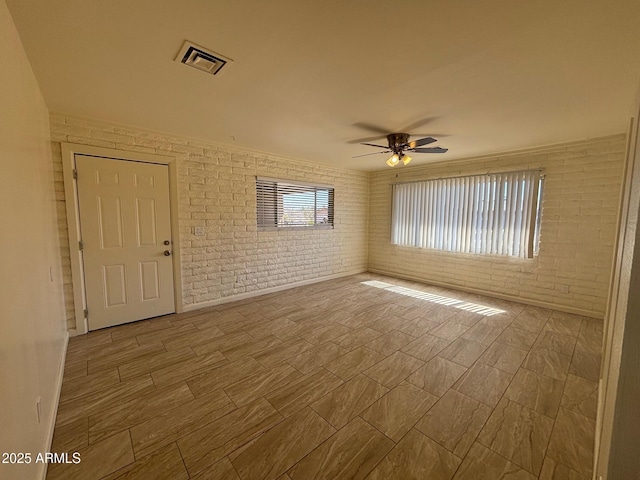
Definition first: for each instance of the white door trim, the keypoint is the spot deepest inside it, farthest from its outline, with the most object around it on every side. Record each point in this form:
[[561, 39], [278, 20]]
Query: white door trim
[[69, 151]]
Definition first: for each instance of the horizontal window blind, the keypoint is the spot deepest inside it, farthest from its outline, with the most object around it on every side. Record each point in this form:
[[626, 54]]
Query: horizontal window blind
[[484, 214], [281, 203]]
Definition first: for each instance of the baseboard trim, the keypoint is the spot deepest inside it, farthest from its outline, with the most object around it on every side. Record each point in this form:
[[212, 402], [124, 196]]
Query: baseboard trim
[[52, 422], [488, 293], [266, 291]]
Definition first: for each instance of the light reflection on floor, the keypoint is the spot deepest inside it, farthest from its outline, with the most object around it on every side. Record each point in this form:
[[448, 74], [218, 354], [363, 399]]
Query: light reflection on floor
[[430, 297]]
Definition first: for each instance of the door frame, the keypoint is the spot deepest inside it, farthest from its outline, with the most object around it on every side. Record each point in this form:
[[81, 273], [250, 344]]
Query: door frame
[[69, 152]]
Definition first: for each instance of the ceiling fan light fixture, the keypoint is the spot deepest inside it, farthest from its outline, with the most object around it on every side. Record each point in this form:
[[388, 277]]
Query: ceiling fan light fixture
[[406, 159], [394, 160]]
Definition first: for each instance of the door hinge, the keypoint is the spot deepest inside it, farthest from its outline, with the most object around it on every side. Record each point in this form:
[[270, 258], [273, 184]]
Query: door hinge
[[75, 174], [81, 245], [86, 313]]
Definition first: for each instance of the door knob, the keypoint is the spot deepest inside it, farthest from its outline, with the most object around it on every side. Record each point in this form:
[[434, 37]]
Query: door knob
[[167, 253]]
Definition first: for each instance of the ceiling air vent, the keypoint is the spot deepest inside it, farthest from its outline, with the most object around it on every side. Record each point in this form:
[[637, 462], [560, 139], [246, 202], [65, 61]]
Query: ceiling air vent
[[197, 57]]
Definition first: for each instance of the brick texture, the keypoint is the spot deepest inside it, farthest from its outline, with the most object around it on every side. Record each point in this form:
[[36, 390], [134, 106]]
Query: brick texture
[[217, 191], [577, 235]]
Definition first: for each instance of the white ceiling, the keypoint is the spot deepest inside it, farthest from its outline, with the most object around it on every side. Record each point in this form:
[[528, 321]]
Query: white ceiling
[[309, 76]]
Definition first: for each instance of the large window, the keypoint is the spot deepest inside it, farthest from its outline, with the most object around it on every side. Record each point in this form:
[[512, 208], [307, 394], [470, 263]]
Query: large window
[[496, 214], [282, 203]]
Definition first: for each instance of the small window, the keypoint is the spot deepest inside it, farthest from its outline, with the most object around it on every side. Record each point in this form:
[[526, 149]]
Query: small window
[[493, 214], [282, 203]]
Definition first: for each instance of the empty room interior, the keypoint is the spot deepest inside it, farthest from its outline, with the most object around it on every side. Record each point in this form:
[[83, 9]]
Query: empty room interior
[[320, 240]]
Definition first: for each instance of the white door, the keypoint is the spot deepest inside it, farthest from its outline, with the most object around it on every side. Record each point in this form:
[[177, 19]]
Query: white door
[[126, 235]]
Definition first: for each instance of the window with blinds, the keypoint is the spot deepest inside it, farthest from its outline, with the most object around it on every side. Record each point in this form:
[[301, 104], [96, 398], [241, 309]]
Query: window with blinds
[[495, 214], [282, 203]]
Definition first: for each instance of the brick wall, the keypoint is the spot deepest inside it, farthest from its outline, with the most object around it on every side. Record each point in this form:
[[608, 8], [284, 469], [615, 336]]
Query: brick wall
[[217, 191], [580, 206]]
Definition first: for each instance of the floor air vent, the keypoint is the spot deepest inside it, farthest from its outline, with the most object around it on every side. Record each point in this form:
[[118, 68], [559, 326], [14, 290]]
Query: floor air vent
[[200, 58]]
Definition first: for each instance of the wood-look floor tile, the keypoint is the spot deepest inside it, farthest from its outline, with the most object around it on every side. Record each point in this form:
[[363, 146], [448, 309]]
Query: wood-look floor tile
[[325, 333], [552, 470], [136, 410], [564, 323], [418, 327], [251, 346], [503, 357], [221, 470], [351, 453], [215, 440], [80, 345], [164, 464], [580, 396], [437, 375], [454, 422], [585, 365], [114, 359], [223, 376], [267, 327], [273, 453], [398, 411], [466, 318], [216, 344], [172, 424], [96, 461], [354, 362], [272, 357], [186, 369], [341, 405], [449, 330], [532, 319], [484, 383], [416, 457], [517, 337], [538, 392], [199, 337], [390, 342], [149, 363], [261, 383], [482, 333], [133, 329], [301, 392], [548, 362], [80, 386], [75, 370], [463, 351], [425, 347], [309, 360], [71, 437], [110, 349], [97, 401], [394, 369], [160, 335], [590, 336], [357, 338], [484, 464], [557, 342], [572, 441], [518, 433]]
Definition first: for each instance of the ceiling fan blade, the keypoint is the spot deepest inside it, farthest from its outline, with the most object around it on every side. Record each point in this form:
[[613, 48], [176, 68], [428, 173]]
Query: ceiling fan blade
[[418, 123], [422, 141], [386, 147], [430, 150], [374, 153], [366, 139], [371, 128]]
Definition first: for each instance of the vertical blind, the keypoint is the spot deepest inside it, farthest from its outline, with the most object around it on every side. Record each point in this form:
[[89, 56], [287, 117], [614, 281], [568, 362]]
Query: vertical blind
[[281, 203], [484, 214]]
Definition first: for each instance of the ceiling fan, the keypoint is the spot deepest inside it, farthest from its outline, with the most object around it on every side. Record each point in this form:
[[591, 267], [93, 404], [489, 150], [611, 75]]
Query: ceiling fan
[[399, 144]]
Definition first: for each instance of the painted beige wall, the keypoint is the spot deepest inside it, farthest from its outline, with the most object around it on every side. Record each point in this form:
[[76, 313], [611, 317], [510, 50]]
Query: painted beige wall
[[580, 205], [216, 187], [33, 333]]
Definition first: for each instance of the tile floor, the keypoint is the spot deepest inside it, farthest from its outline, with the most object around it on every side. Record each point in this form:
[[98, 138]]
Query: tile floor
[[361, 377]]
